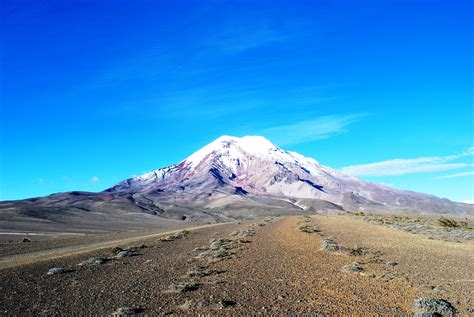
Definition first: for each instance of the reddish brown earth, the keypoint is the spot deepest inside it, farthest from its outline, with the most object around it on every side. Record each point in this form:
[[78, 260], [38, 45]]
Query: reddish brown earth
[[279, 270]]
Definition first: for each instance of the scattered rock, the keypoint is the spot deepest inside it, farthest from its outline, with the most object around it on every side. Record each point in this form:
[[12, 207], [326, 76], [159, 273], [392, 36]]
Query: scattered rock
[[391, 263], [26, 239], [433, 307], [126, 311], [329, 245], [57, 270], [353, 267]]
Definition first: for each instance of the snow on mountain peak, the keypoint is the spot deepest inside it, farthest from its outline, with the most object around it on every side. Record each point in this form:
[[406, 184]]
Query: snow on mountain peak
[[233, 146], [235, 149]]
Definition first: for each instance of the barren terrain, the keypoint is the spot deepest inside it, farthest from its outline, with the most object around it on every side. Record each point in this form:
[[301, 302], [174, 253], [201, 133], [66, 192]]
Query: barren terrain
[[313, 265]]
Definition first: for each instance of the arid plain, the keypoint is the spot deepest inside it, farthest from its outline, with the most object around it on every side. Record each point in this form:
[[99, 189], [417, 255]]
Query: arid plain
[[337, 264]]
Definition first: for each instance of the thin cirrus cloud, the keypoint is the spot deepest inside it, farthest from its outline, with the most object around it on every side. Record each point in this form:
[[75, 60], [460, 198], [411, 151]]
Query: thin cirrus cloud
[[94, 179], [456, 175], [411, 166], [311, 130]]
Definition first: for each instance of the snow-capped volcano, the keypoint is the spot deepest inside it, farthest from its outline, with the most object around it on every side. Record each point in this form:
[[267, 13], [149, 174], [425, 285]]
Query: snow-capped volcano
[[230, 178], [252, 163], [254, 167]]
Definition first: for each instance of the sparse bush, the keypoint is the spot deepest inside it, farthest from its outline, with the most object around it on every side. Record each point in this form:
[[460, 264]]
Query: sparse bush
[[94, 260], [356, 251], [182, 288], [433, 307], [308, 229], [57, 270], [447, 223], [359, 213], [116, 250], [221, 304], [329, 245], [126, 311], [242, 233], [353, 267], [175, 236], [125, 253]]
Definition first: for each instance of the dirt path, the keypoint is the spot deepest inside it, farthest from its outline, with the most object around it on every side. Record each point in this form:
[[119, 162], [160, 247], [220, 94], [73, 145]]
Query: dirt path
[[285, 270], [50, 254], [271, 269]]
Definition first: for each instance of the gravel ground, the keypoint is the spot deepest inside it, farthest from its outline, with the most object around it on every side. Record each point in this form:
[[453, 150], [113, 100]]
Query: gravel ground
[[276, 270]]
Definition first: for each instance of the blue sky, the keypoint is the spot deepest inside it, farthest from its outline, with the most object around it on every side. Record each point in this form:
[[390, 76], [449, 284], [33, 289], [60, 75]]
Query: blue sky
[[93, 92]]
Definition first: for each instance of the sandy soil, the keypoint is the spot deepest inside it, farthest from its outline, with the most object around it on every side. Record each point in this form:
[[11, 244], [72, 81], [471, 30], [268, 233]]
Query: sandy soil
[[279, 270]]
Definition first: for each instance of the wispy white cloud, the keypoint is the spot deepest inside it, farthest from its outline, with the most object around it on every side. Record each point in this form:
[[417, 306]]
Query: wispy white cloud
[[311, 130], [469, 201], [94, 179], [234, 40], [456, 175], [409, 166]]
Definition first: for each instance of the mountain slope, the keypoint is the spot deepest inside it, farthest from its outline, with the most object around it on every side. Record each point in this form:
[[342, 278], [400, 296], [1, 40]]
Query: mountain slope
[[230, 178]]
